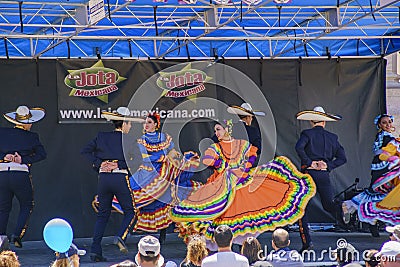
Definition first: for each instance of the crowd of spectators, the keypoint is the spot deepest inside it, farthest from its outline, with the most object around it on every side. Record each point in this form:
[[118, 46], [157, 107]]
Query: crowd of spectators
[[251, 253]]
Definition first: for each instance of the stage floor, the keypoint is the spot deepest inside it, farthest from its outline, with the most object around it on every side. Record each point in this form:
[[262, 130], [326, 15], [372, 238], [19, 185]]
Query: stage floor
[[36, 253]]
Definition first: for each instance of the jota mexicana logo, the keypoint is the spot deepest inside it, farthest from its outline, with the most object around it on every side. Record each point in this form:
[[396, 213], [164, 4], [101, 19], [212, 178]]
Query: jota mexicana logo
[[183, 83], [96, 81]]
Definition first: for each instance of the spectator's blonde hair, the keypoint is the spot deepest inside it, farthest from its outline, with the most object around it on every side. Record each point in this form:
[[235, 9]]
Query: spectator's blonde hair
[[196, 249], [8, 258], [66, 262]]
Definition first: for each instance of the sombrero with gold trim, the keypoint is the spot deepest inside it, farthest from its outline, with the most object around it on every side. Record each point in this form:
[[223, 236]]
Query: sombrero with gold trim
[[317, 114], [245, 110], [121, 114], [25, 115]]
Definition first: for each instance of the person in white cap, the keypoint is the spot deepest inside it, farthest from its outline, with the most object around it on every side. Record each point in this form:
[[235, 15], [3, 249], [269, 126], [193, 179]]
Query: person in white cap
[[19, 149], [106, 154], [394, 232], [390, 254], [320, 152], [149, 253]]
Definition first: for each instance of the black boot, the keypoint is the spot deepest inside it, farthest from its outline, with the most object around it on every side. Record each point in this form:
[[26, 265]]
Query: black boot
[[97, 258], [309, 246], [16, 241], [120, 244], [373, 228], [163, 236]]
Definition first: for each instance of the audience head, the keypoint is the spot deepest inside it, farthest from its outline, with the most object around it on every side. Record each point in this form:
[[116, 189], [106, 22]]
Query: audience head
[[8, 258], [262, 264], [280, 239], [126, 263], [394, 232], [196, 250], [149, 251], [390, 254], [345, 255], [371, 259], [251, 249], [223, 236], [69, 258]]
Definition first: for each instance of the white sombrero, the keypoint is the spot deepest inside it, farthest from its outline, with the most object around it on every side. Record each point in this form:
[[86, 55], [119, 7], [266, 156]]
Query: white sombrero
[[245, 110], [317, 114], [121, 114], [25, 115]]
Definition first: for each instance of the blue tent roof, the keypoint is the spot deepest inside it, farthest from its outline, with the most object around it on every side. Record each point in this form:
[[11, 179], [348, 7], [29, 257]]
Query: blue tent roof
[[204, 28]]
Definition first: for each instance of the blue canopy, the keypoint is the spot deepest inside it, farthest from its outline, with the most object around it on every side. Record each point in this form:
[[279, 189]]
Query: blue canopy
[[199, 29]]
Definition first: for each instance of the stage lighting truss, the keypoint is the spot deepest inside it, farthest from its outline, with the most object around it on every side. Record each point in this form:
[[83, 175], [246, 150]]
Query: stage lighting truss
[[179, 29]]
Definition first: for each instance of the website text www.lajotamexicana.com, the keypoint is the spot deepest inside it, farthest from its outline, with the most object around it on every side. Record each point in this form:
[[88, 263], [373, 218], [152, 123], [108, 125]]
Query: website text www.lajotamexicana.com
[[94, 114]]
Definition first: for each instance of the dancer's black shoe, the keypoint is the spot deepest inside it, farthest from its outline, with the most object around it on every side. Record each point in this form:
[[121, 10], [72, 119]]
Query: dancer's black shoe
[[16, 241], [97, 258], [373, 228], [305, 247], [120, 244]]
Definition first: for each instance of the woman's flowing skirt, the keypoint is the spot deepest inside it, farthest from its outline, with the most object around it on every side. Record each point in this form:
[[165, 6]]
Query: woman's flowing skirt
[[272, 195]]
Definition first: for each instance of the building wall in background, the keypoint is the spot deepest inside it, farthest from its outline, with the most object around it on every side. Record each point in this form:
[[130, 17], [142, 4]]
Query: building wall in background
[[393, 89]]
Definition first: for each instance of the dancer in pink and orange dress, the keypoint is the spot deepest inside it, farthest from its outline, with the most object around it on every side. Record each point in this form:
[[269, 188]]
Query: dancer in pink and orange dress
[[249, 200]]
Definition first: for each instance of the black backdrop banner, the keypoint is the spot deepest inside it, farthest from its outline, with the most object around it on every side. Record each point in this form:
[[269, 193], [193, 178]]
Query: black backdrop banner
[[65, 184]]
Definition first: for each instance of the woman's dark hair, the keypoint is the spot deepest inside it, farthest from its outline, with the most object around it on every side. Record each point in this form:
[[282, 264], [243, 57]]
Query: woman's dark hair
[[383, 116], [156, 118], [225, 124], [371, 258], [251, 249], [152, 259]]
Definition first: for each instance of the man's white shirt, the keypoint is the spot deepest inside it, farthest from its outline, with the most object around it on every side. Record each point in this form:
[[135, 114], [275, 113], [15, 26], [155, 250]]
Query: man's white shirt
[[225, 259]]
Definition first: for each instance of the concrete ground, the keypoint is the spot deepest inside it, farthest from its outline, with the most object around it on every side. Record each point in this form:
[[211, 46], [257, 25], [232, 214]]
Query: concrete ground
[[36, 253]]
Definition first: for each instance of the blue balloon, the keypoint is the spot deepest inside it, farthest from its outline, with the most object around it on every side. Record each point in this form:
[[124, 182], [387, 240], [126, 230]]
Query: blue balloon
[[58, 235]]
